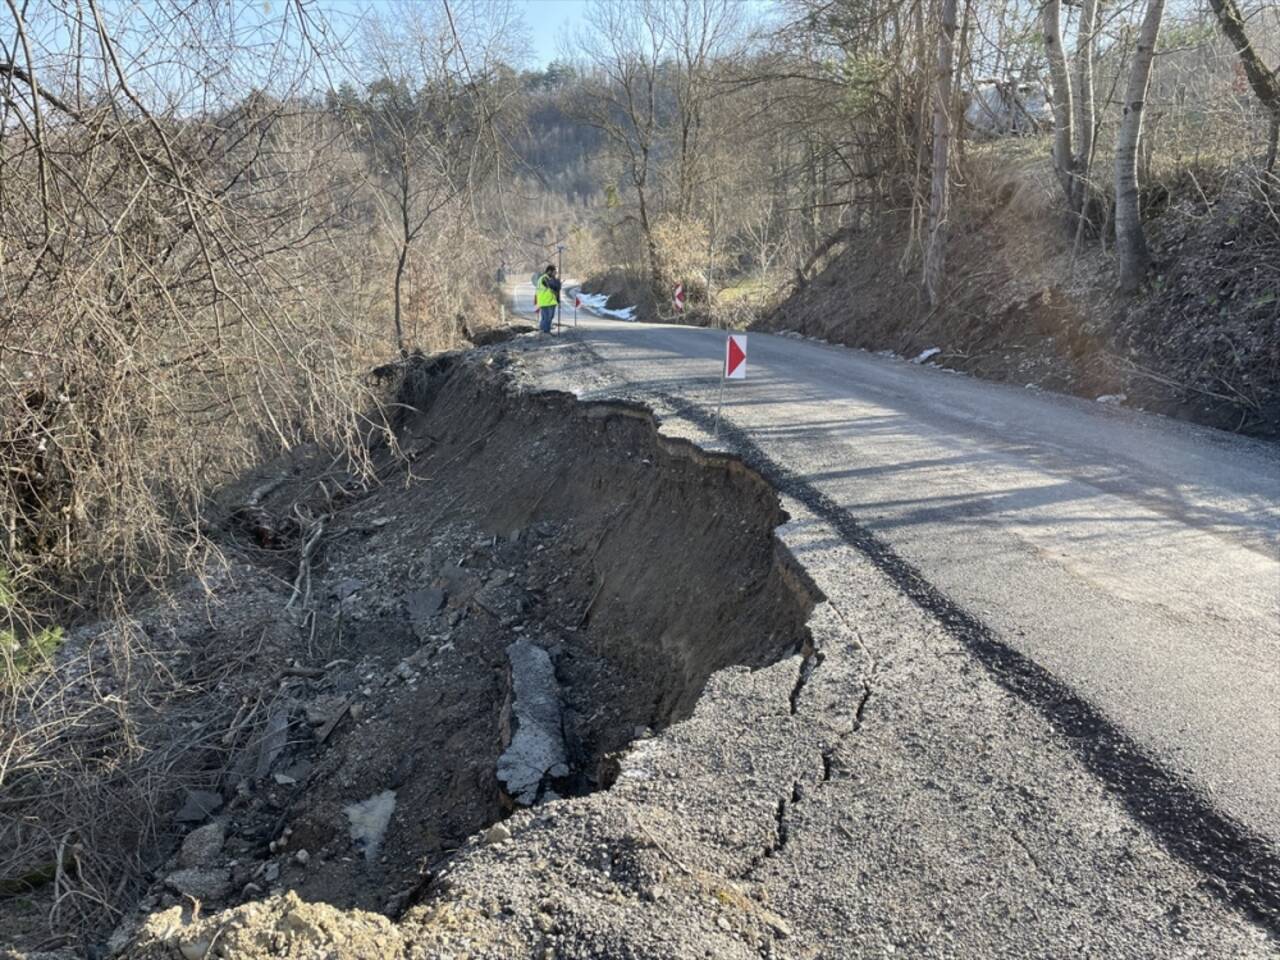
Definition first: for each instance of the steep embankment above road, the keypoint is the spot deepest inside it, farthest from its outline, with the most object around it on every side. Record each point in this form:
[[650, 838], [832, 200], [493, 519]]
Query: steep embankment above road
[[1025, 305]]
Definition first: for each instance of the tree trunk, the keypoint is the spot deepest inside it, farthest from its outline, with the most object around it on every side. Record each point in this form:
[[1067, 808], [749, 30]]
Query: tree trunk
[[810, 219], [1264, 80], [962, 57], [406, 238], [1273, 140], [1084, 109], [913, 167], [1062, 108], [935, 257], [1131, 239], [656, 284], [404, 256]]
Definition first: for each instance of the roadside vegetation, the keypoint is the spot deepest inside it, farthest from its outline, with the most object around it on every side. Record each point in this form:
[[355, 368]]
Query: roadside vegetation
[[1080, 197]]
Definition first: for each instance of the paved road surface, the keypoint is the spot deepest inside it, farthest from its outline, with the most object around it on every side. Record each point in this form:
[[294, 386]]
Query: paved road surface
[[1134, 558]]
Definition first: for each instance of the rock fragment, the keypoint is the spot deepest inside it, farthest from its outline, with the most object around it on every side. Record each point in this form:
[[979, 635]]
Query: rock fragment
[[273, 741], [194, 949], [423, 605], [533, 725], [369, 820], [201, 883], [202, 845], [199, 804]]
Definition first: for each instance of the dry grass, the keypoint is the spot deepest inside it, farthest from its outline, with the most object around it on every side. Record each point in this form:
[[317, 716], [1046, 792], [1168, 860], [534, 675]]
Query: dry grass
[[188, 291]]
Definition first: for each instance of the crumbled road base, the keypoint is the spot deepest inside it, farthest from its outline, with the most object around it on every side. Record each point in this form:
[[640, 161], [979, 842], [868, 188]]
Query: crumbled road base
[[869, 793], [385, 671]]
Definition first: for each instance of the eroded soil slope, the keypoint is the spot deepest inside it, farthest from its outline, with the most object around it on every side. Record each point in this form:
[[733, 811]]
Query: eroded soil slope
[[349, 685]]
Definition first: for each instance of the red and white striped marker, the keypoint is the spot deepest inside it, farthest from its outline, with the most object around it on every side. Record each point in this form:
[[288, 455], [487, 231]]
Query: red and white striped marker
[[735, 357], [735, 368]]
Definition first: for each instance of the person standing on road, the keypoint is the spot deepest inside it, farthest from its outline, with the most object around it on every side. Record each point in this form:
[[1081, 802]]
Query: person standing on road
[[547, 295]]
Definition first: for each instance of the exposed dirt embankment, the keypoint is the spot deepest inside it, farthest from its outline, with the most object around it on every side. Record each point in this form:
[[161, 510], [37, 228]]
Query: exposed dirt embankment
[[1025, 305], [387, 670]]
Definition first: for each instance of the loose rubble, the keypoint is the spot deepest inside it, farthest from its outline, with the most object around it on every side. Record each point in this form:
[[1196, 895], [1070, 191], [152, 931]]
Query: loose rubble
[[482, 639]]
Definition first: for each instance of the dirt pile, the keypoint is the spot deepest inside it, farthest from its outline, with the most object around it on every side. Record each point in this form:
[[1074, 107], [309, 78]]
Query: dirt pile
[[358, 674]]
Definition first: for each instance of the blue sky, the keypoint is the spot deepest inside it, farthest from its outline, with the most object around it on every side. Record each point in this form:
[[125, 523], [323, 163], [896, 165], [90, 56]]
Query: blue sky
[[550, 26], [561, 15], [565, 17], [548, 21]]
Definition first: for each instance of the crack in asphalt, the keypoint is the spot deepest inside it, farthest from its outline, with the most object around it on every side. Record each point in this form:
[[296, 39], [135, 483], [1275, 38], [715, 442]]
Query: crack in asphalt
[[1242, 867], [780, 837], [781, 833], [1035, 862], [862, 706], [812, 660]]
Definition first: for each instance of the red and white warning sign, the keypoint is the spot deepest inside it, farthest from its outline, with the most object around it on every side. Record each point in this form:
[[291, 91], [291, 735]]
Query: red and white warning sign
[[677, 298], [735, 357]]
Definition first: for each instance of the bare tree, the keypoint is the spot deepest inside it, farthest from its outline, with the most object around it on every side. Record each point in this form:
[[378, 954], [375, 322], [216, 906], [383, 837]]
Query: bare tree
[[702, 34], [1264, 80], [1063, 134], [1084, 120], [426, 121], [621, 99], [649, 84], [1131, 239], [939, 194], [176, 274]]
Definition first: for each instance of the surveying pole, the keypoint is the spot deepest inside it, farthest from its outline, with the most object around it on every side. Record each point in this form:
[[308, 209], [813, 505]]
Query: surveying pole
[[560, 272]]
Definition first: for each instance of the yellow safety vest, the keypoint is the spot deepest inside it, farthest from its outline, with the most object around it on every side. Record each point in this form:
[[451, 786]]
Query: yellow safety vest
[[546, 296]]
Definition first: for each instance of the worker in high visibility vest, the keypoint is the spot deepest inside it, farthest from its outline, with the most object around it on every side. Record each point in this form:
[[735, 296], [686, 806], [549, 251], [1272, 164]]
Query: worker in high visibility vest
[[547, 297]]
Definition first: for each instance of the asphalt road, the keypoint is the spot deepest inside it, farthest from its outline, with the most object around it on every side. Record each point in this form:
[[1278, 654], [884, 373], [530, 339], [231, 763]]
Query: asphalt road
[[1135, 559]]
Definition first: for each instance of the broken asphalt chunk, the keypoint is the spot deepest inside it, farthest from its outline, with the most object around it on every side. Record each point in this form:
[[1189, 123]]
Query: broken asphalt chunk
[[198, 805], [533, 725], [423, 605], [273, 741]]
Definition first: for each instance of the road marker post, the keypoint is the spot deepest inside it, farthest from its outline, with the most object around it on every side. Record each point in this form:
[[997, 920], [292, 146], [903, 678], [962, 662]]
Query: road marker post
[[733, 368], [577, 302]]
